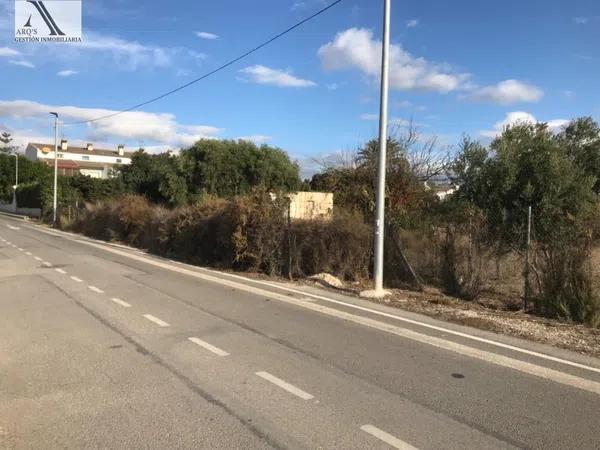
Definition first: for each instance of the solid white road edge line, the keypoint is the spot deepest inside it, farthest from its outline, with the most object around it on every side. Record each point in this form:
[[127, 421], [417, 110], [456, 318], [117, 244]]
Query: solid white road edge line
[[156, 320], [416, 322], [95, 289], [118, 301], [285, 385], [483, 355], [387, 438], [207, 346], [102, 245], [78, 280]]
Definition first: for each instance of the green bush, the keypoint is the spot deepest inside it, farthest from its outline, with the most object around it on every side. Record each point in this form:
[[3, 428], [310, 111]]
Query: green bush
[[29, 195]]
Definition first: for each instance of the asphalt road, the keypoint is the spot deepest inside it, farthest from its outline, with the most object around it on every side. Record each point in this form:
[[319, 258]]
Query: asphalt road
[[106, 347]]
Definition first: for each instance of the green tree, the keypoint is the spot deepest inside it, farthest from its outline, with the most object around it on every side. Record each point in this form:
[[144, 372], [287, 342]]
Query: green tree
[[29, 171], [228, 168], [158, 177], [528, 165], [354, 184], [581, 140], [6, 139]]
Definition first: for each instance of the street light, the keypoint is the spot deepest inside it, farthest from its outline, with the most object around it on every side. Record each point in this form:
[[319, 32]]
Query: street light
[[55, 165], [16, 180], [378, 290], [16, 170]]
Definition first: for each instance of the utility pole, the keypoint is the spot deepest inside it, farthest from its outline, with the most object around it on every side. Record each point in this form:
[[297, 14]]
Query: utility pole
[[55, 166], [381, 170]]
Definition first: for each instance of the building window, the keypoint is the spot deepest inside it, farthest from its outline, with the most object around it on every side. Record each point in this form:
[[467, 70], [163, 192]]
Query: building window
[[85, 158], [119, 161]]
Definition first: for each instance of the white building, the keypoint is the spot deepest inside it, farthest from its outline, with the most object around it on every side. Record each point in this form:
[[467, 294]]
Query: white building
[[96, 163]]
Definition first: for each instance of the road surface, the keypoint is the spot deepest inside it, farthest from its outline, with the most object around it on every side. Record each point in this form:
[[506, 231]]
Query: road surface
[[102, 346]]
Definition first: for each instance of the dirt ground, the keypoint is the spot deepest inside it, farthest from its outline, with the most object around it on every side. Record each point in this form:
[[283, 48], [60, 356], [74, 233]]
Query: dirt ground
[[493, 315]]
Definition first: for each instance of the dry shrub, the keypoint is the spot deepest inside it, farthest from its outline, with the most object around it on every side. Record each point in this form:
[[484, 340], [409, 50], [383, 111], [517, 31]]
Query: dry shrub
[[566, 284], [341, 247], [99, 220], [248, 233], [259, 232], [461, 268], [134, 213], [200, 233]]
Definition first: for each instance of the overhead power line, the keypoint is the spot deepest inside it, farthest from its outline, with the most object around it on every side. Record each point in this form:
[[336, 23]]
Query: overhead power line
[[214, 71]]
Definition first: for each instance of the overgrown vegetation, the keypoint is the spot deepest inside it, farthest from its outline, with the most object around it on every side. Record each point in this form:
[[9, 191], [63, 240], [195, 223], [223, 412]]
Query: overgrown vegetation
[[210, 205], [244, 233]]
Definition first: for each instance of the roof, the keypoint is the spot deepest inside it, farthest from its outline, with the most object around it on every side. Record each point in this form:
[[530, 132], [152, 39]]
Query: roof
[[85, 151], [66, 164], [70, 164]]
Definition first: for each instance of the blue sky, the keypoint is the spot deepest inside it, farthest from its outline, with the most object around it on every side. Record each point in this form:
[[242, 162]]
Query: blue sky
[[457, 67]]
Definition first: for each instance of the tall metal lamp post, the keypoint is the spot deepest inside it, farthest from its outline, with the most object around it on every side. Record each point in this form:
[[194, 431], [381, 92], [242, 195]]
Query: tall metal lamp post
[[379, 227], [16, 181], [16, 170], [55, 166]]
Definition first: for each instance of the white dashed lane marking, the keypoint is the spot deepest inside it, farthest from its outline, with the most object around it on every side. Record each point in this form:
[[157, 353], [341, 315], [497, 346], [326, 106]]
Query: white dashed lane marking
[[95, 289], [209, 347], [156, 320], [120, 302], [62, 272], [78, 280], [46, 264], [285, 385], [387, 438], [37, 258], [28, 253]]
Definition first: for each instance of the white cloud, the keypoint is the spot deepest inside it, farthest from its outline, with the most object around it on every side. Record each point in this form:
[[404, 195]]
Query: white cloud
[[265, 75], [206, 35], [257, 139], [22, 63], [403, 104], [6, 51], [357, 48], [333, 86], [369, 117], [399, 122], [67, 73], [508, 92], [394, 121], [160, 128], [412, 23], [517, 117], [581, 20], [114, 53], [127, 55], [306, 4]]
